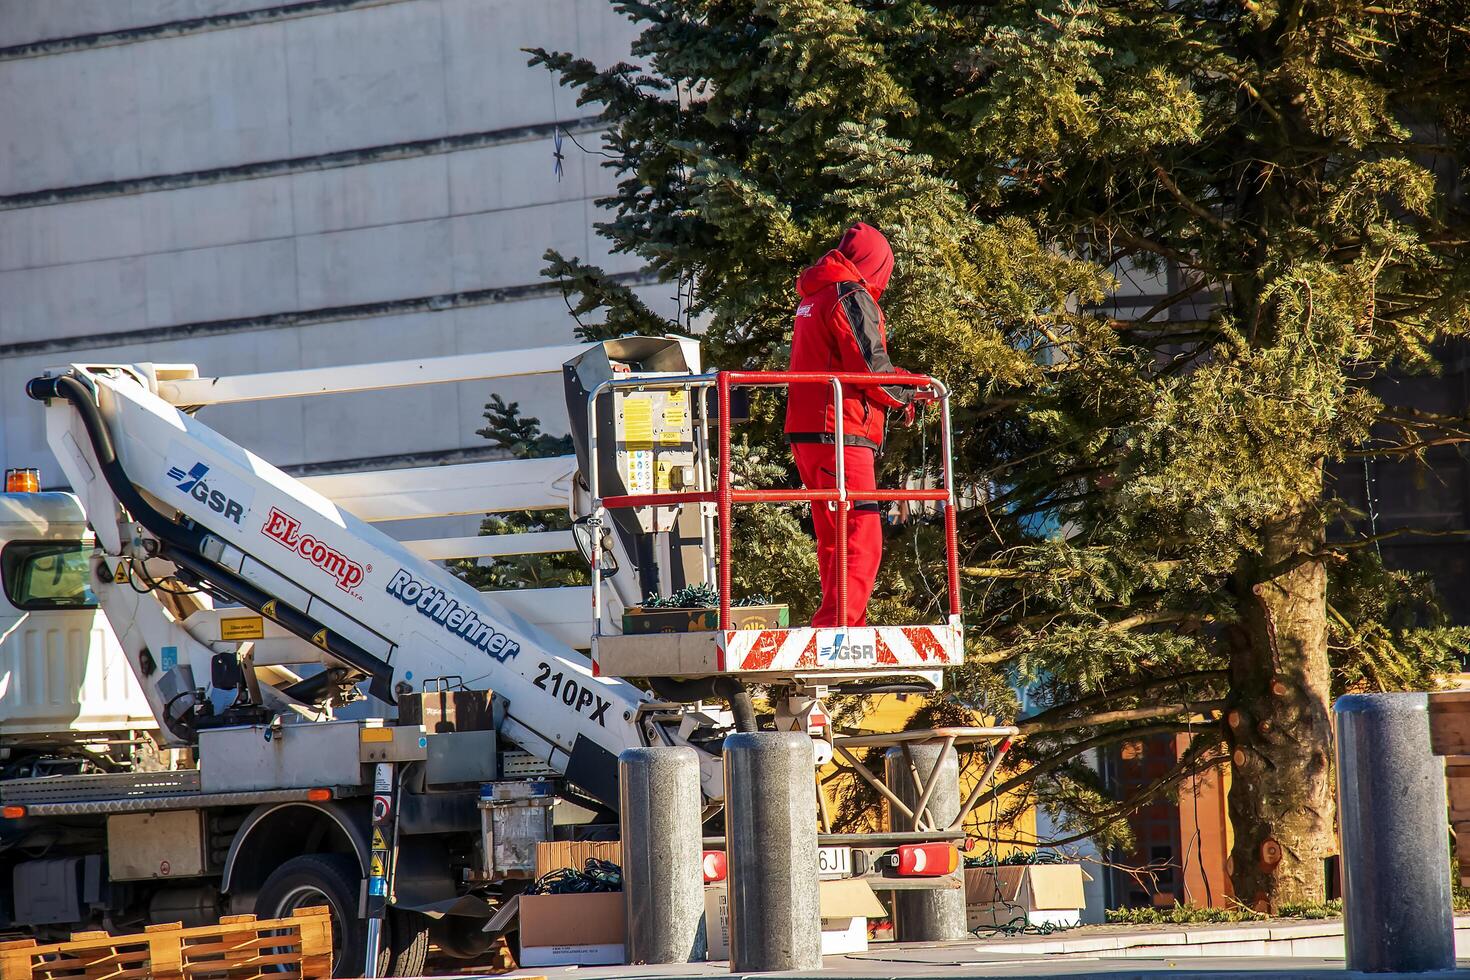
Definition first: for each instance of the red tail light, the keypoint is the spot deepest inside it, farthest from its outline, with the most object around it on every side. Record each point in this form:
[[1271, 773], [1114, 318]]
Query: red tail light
[[927, 860], [714, 866]]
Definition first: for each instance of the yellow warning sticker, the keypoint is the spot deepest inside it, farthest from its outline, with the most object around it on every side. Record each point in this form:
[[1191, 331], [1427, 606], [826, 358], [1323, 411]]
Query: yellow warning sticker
[[377, 734], [320, 638], [380, 843], [380, 865], [269, 609], [242, 628], [638, 422], [120, 573]]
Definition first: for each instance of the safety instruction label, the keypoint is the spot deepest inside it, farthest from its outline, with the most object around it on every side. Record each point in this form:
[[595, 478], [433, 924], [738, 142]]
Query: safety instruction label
[[640, 471], [676, 410], [638, 422], [242, 628]]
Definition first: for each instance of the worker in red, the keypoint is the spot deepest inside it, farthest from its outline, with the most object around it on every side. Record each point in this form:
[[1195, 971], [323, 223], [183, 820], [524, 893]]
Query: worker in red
[[839, 327]]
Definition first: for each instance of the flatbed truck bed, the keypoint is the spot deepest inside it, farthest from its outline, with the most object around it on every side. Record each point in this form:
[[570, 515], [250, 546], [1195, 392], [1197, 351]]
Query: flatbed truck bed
[[144, 792]]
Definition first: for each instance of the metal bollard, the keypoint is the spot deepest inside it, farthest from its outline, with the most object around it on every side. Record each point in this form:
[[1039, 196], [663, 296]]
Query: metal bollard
[[930, 914], [771, 832], [663, 855], [1395, 848]]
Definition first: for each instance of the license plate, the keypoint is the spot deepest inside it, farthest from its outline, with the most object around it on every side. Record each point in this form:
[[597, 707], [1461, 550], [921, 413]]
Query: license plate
[[834, 862]]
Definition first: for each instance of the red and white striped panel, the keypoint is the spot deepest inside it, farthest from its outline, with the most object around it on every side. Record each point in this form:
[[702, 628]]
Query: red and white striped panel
[[876, 648]]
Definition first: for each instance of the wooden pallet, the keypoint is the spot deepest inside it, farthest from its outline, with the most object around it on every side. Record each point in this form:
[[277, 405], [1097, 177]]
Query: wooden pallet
[[239, 948]]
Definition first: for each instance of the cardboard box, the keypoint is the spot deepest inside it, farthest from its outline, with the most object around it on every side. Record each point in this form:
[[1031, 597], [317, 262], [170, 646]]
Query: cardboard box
[[586, 930], [846, 906], [638, 620], [557, 854], [1044, 894], [717, 921]]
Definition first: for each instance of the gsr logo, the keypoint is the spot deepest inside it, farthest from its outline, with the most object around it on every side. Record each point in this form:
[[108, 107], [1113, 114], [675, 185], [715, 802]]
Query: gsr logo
[[840, 651], [195, 485]]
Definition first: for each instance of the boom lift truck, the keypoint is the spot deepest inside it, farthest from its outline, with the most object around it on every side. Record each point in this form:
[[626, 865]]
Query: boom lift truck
[[350, 724]]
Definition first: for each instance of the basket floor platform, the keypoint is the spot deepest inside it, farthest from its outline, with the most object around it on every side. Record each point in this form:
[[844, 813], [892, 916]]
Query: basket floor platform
[[803, 651]]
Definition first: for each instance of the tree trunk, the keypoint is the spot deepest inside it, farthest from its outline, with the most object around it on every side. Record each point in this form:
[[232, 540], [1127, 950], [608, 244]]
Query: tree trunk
[[1282, 805]]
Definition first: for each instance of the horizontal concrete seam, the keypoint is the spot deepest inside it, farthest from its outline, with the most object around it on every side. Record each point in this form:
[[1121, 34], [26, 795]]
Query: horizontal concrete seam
[[183, 28], [297, 236], [334, 160], [395, 461], [305, 318]]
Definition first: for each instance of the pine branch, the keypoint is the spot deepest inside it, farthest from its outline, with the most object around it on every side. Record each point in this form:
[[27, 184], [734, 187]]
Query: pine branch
[[1193, 206], [1396, 533], [1406, 449], [1133, 690], [1123, 809], [1057, 760], [1153, 247], [1141, 324], [1156, 618], [1031, 727]]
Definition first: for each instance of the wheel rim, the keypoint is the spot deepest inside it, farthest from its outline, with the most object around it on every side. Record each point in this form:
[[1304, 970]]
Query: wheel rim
[[305, 897]]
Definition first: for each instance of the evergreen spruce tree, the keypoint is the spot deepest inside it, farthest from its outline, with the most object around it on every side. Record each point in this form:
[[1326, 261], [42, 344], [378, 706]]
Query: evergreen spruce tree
[[521, 437], [1150, 549]]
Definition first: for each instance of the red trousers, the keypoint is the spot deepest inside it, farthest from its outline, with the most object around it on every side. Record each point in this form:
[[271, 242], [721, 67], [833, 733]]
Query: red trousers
[[816, 462]]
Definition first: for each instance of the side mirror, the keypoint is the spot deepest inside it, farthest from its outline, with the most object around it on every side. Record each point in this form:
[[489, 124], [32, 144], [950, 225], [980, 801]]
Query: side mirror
[[582, 534]]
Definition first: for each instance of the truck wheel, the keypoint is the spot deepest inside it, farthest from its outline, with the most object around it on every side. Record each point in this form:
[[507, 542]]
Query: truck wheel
[[321, 879], [405, 945]]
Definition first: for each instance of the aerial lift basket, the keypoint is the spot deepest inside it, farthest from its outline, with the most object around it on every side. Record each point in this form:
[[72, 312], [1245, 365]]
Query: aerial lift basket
[[805, 653]]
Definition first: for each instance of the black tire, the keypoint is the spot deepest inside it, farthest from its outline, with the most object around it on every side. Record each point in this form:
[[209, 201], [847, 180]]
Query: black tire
[[321, 879], [334, 880], [406, 945]]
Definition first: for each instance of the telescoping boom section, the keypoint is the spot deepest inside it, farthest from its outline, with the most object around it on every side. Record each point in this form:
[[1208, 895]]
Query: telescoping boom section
[[173, 500]]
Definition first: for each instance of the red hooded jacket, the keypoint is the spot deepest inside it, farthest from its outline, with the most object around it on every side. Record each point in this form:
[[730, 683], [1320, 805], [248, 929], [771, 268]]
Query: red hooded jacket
[[839, 327]]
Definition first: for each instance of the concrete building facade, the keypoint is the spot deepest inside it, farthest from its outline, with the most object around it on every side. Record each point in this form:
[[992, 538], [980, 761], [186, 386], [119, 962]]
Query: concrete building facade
[[254, 186]]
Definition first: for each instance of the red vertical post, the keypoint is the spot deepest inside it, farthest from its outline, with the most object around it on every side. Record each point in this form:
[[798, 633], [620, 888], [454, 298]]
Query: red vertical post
[[842, 510], [952, 556], [724, 501]]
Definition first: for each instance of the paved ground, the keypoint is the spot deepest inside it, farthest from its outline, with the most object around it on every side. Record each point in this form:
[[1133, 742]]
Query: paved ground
[[1223, 951], [963, 961]]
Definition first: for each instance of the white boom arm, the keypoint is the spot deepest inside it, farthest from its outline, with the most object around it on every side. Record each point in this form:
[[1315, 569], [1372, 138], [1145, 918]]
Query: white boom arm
[[319, 563]]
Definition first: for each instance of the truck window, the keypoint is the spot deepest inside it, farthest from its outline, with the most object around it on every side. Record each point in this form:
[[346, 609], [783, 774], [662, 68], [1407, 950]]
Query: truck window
[[47, 575]]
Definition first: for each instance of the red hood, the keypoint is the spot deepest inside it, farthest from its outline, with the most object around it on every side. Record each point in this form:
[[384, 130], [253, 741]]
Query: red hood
[[862, 256], [830, 268]]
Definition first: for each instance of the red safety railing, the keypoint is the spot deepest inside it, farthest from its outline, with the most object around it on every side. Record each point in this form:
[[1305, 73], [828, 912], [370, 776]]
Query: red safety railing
[[725, 495]]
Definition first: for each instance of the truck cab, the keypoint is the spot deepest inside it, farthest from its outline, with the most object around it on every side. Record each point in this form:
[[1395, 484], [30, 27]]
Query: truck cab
[[69, 701]]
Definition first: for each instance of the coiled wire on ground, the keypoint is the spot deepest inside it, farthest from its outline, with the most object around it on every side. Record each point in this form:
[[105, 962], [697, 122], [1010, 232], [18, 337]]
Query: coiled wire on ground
[[1018, 924]]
